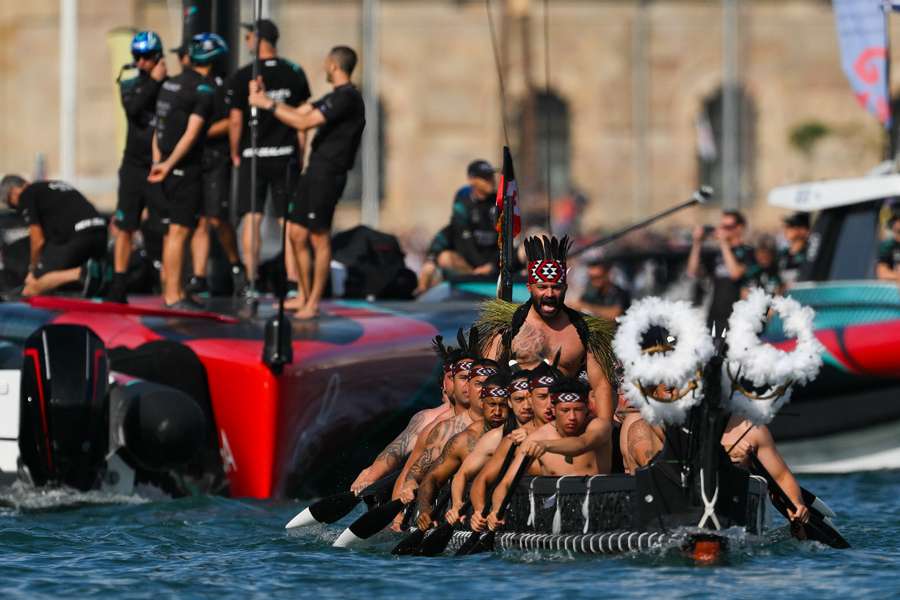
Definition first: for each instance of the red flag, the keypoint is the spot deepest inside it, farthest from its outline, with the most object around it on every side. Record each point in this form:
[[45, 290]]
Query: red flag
[[508, 189]]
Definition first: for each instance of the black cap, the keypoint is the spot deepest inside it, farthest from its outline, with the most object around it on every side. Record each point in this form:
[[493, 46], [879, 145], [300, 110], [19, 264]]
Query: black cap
[[266, 28], [798, 219], [481, 169]]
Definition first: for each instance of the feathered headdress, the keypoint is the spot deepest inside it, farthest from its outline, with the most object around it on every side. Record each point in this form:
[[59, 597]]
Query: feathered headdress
[[547, 259]]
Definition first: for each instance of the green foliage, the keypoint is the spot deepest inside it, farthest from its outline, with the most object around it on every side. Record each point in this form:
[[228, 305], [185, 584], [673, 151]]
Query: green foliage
[[805, 136]]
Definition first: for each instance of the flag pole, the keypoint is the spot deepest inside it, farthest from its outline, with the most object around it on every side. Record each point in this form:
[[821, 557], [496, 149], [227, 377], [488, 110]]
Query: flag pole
[[506, 233]]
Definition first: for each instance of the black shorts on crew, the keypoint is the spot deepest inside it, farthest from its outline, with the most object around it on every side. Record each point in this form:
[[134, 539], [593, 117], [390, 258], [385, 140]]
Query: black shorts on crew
[[135, 194], [216, 187], [90, 243], [317, 197], [276, 175], [183, 190]]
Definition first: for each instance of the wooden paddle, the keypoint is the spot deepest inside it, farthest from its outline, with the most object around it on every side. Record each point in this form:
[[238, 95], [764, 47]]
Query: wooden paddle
[[436, 540], [410, 544], [369, 524], [334, 508], [818, 528]]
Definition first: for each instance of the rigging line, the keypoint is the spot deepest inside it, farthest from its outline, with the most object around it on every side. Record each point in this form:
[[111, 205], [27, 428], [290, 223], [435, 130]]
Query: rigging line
[[548, 146], [499, 67]]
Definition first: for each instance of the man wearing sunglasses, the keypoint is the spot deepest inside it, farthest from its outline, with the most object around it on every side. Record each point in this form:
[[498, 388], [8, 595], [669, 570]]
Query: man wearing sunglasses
[[727, 266], [135, 192]]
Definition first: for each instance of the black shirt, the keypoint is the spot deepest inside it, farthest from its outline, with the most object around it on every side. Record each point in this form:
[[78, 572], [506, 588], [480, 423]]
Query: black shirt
[[767, 278], [139, 101], [613, 295], [220, 107], [473, 229], [726, 291], [189, 93], [889, 253], [284, 82], [59, 209], [337, 139], [790, 264]]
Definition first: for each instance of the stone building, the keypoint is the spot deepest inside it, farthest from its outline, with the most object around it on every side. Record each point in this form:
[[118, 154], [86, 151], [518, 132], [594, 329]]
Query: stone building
[[634, 90]]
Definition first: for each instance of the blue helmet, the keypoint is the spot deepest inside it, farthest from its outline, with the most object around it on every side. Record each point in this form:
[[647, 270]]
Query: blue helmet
[[146, 43], [206, 47]]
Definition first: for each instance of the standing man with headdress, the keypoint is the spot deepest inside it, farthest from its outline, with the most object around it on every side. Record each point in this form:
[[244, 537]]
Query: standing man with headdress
[[135, 192], [583, 342]]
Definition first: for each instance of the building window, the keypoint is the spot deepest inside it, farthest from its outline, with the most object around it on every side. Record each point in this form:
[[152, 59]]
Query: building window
[[353, 190], [549, 126], [710, 148]]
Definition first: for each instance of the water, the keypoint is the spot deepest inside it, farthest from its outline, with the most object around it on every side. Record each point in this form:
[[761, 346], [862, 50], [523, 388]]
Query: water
[[89, 545]]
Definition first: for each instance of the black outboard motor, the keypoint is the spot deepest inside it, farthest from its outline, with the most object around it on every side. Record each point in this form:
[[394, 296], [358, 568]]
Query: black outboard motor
[[63, 416], [160, 428]]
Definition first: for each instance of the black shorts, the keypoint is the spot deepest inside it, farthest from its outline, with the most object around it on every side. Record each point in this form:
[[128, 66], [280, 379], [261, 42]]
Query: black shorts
[[216, 186], [317, 197], [56, 256], [183, 189], [276, 175], [136, 193]]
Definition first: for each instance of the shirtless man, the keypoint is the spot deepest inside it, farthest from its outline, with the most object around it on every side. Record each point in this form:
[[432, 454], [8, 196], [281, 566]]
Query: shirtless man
[[542, 378], [395, 453], [495, 396], [558, 325], [419, 464], [641, 441]]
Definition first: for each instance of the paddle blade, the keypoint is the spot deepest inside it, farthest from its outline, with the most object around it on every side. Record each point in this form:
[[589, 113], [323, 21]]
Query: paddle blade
[[470, 543], [369, 524], [409, 544], [325, 511], [436, 541], [819, 530]]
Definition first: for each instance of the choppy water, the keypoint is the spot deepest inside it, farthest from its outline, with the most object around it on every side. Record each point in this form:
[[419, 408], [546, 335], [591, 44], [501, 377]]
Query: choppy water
[[89, 545]]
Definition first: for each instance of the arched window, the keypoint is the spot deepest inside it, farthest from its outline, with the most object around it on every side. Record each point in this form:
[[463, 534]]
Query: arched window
[[353, 190], [710, 146], [550, 127]]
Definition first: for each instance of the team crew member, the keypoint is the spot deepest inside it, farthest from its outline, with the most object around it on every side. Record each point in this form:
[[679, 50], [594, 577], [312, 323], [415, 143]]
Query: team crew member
[[763, 273], [494, 398], [603, 298], [792, 259], [542, 378], [888, 267], [216, 165], [573, 444], [135, 192], [395, 453], [65, 232], [279, 148], [468, 245], [182, 113], [728, 267], [339, 120], [640, 442]]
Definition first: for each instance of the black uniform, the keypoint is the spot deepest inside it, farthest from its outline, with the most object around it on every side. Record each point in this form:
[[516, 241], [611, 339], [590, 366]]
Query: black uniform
[[790, 265], [613, 295], [135, 192], [889, 253], [726, 291], [472, 231], [73, 229], [180, 97], [216, 159], [333, 153], [767, 278], [277, 146]]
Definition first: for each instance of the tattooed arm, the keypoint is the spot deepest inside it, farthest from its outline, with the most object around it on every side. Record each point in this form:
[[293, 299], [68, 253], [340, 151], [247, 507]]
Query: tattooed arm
[[643, 444], [442, 469], [414, 456], [392, 456], [471, 466]]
